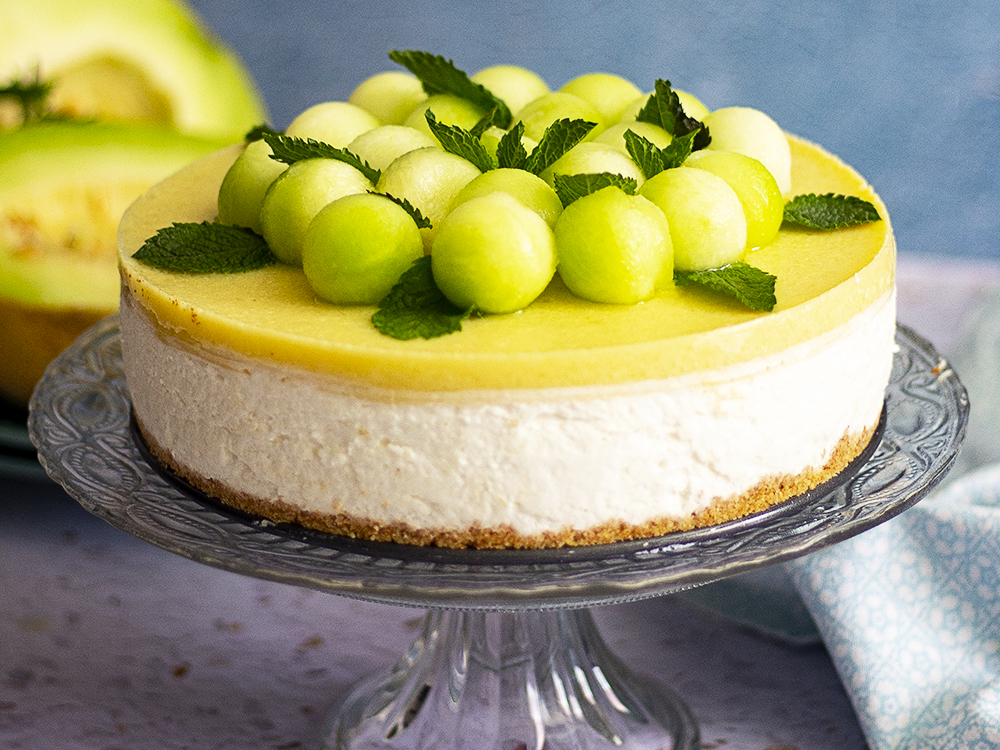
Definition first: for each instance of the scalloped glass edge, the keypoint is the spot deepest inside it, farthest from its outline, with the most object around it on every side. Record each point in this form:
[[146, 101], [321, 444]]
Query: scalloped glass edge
[[80, 423]]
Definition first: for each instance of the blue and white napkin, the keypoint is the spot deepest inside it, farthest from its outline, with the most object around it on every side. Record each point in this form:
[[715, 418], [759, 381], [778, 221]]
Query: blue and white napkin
[[910, 613]]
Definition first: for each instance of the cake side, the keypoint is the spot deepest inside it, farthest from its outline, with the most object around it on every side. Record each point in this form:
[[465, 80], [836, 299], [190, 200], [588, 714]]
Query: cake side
[[575, 465]]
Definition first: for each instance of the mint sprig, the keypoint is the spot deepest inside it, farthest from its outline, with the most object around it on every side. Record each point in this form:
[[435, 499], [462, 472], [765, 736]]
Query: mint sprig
[[461, 142], [751, 286], [511, 152], [651, 159], [484, 123], [289, 149], [416, 308], [30, 96], [679, 149], [558, 138], [571, 187], [257, 133], [646, 154], [440, 76], [830, 211], [207, 247], [664, 109]]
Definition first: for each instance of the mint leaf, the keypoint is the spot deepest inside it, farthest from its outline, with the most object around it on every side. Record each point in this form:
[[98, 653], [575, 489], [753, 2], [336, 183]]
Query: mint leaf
[[653, 160], [289, 149], [830, 211], [484, 124], [511, 153], [571, 187], [257, 132], [558, 138], [646, 154], [440, 76], [205, 248], [30, 96], [459, 141], [679, 149], [416, 308], [664, 109], [422, 221], [751, 286]]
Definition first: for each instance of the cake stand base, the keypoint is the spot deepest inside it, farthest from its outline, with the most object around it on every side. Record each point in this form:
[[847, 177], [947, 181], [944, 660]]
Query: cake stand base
[[510, 681]]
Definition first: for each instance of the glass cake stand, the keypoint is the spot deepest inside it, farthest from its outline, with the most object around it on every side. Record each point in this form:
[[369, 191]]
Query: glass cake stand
[[509, 656]]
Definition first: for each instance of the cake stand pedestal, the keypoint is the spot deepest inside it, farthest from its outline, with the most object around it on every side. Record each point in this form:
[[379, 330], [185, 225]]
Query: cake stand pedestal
[[508, 657], [511, 680]]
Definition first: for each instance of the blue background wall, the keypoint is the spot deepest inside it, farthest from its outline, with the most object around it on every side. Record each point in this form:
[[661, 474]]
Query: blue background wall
[[906, 91]]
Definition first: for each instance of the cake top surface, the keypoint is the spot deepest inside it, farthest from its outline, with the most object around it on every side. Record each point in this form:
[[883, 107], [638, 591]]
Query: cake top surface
[[823, 280]]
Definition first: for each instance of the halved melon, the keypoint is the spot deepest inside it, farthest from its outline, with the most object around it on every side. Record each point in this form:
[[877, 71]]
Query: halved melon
[[150, 60], [63, 189]]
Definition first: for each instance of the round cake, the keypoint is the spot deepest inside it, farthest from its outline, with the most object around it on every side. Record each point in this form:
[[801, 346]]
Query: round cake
[[568, 422]]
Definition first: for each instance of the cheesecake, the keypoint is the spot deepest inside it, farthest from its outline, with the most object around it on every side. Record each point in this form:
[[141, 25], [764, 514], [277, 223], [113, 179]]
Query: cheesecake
[[570, 422]]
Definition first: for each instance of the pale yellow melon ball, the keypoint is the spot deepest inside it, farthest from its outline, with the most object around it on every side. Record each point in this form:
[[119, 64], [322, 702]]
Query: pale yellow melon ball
[[609, 93], [381, 146], [429, 178], [335, 123], [390, 96], [515, 85]]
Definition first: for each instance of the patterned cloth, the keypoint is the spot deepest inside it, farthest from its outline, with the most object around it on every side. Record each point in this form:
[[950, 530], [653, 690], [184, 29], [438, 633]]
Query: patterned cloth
[[910, 613]]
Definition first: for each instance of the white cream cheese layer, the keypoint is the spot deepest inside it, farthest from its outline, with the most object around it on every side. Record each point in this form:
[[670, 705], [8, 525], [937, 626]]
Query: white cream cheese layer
[[537, 461]]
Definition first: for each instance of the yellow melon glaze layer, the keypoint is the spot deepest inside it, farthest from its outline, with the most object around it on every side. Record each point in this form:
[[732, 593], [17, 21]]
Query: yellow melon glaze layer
[[824, 279]]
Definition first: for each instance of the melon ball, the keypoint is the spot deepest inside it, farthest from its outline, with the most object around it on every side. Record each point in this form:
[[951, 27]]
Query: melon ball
[[707, 226], [381, 146], [516, 86], [297, 195], [390, 96], [752, 132], [494, 254], [429, 178], [609, 93], [335, 123]]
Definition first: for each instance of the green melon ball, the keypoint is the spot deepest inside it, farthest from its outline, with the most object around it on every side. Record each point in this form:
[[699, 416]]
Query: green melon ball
[[429, 178], [448, 110], [335, 123], [593, 158], [529, 190], [241, 193], [609, 93], [614, 248], [752, 132], [754, 185], [390, 96], [356, 248], [381, 146], [691, 105], [539, 113], [615, 135], [297, 195], [515, 85], [707, 225], [494, 254]]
